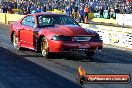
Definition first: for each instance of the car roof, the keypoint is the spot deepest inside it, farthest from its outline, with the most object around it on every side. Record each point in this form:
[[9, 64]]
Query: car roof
[[45, 13]]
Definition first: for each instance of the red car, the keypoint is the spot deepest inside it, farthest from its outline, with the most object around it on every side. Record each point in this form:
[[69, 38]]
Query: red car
[[53, 33]]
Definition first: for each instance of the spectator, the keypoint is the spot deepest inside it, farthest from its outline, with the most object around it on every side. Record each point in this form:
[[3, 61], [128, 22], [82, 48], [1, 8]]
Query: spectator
[[11, 4], [44, 8], [68, 10], [117, 10], [75, 11], [29, 9], [71, 10], [61, 5], [15, 5], [4, 9], [33, 8], [50, 7], [39, 9], [112, 12], [24, 11], [81, 14], [101, 12], [10, 10], [86, 10], [33, 11], [109, 10]]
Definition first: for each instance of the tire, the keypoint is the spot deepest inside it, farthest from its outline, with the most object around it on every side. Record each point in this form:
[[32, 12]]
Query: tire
[[89, 53], [44, 48], [15, 41]]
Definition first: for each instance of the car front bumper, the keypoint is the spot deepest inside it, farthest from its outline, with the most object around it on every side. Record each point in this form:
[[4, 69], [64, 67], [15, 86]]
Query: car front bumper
[[59, 46]]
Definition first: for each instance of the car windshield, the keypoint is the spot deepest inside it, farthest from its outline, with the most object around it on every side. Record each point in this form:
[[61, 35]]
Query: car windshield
[[52, 20]]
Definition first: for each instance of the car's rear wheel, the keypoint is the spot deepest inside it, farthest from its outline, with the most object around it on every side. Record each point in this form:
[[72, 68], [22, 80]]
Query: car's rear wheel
[[15, 41], [89, 53], [44, 47]]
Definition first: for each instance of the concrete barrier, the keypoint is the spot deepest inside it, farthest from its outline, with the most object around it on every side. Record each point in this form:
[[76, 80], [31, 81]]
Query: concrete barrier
[[118, 36], [2, 17], [124, 19], [13, 17], [91, 15], [102, 20]]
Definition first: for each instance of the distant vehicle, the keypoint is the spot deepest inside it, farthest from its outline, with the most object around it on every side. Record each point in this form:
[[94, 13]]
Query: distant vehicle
[[51, 33]]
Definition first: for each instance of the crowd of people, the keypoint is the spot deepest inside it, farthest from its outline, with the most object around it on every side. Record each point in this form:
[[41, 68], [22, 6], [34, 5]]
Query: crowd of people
[[74, 9], [25, 7]]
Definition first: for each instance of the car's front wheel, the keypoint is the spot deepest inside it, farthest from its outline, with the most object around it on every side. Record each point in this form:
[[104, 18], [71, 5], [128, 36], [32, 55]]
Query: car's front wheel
[[89, 53], [15, 41], [44, 47]]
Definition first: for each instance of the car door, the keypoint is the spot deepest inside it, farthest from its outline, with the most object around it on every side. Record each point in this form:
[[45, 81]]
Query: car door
[[27, 32]]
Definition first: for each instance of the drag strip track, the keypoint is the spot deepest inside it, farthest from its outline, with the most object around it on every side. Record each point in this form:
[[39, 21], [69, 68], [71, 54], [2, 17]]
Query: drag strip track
[[28, 69]]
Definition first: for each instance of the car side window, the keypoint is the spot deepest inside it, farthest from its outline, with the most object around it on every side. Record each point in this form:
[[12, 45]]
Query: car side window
[[43, 21], [24, 21], [29, 21]]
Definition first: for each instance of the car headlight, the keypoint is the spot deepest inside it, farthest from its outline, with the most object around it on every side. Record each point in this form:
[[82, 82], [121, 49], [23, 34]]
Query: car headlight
[[96, 38], [61, 38]]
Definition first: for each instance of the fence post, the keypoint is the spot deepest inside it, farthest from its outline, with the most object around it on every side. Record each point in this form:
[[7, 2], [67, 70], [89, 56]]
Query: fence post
[[5, 19]]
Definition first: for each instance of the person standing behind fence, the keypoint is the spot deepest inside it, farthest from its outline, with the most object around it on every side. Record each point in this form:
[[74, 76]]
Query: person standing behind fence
[[28, 9], [39, 9], [81, 14], [112, 13], [75, 12], [44, 8], [10, 10], [86, 10], [33, 9], [68, 10], [109, 10], [4, 9], [101, 12]]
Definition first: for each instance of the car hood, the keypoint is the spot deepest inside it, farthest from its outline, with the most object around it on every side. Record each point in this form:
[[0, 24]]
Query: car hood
[[68, 30]]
